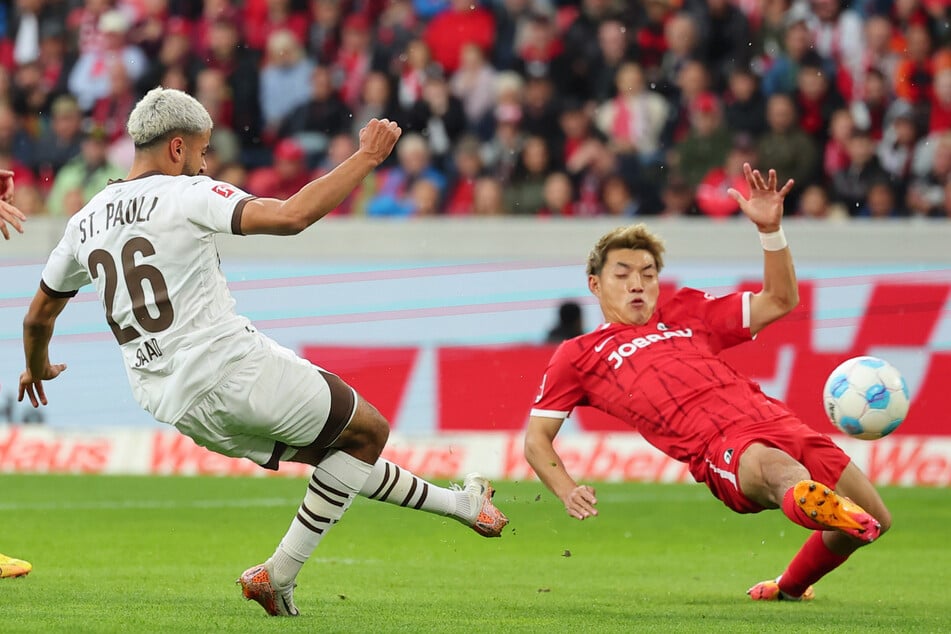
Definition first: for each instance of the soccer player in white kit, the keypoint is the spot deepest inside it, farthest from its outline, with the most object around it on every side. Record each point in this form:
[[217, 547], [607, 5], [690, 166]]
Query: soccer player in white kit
[[147, 244]]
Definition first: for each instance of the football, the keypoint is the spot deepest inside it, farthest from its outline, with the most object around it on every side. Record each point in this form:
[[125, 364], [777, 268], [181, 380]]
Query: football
[[866, 397]]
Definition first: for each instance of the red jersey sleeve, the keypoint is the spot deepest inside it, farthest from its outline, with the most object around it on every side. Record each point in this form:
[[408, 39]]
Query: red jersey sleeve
[[727, 317], [560, 390]]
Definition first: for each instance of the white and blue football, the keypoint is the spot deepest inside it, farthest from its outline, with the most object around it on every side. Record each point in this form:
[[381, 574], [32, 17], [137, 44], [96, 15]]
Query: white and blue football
[[866, 397]]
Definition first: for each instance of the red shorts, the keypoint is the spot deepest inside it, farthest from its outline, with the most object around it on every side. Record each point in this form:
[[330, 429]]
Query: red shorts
[[824, 460]]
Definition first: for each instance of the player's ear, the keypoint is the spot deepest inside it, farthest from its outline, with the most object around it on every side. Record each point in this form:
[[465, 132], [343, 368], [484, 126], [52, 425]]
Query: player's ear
[[177, 148], [594, 285]]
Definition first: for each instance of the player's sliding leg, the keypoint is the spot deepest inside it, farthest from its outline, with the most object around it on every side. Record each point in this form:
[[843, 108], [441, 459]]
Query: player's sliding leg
[[337, 478], [772, 478], [831, 511], [841, 525], [471, 505], [769, 591], [11, 567]]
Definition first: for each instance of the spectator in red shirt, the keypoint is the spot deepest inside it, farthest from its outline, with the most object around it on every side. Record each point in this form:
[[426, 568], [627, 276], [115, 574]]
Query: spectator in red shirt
[[211, 90], [558, 196], [653, 41], [575, 128], [354, 58], [396, 25], [816, 100], [175, 50], [541, 48], [83, 21], [89, 76], [467, 168], [465, 21], [939, 118], [915, 71], [264, 17], [323, 36], [835, 155], [412, 75], [285, 177], [112, 111], [149, 30], [712, 197], [213, 11], [870, 111]]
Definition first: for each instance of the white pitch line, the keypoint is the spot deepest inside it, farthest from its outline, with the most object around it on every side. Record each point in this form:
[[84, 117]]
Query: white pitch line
[[119, 505]]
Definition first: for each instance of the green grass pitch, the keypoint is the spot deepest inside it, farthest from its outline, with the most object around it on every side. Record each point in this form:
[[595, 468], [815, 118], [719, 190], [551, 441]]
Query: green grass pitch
[[140, 554]]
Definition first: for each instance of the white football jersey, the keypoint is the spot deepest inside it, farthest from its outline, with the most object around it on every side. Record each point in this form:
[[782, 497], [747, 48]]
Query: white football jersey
[[148, 246]]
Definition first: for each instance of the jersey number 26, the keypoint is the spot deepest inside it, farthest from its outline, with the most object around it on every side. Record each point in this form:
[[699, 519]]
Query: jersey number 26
[[135, 276]]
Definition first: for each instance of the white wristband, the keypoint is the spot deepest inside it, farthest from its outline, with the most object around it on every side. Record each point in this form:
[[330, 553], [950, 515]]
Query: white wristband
[[775, 241]]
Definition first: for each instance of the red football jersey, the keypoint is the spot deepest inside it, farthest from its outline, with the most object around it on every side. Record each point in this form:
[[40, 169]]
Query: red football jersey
[[665, 378]]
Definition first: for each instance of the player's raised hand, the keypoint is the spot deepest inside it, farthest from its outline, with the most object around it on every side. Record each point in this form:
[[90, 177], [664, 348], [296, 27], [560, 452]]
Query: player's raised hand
[[33, 386], [9, 215], [6, 186], [580, 502], [765, 204], [378, 138]]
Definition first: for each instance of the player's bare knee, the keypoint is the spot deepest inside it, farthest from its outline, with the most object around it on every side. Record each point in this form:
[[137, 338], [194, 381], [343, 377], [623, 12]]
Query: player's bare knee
[[767, 473], [378, 429], [884, 518], [367, 432]]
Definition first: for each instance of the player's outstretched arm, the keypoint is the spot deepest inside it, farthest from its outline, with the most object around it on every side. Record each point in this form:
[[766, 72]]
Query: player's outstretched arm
[[579, 500], [780, 292], [318, 198], [37, 331], [9, 215]]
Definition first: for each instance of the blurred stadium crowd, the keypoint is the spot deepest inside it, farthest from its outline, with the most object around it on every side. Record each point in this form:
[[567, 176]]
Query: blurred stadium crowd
[[527, 107]]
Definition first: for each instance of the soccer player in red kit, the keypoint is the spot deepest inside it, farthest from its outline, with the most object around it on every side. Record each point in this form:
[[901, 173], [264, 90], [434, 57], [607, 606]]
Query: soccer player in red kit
[[658, 368]]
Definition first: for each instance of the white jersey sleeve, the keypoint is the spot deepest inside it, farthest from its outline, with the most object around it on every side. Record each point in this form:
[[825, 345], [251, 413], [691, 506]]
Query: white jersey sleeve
[[214, 206], [63, 275]]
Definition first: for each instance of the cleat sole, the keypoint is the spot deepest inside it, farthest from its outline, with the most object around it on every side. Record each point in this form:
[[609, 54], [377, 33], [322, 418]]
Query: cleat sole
[[840, 514]]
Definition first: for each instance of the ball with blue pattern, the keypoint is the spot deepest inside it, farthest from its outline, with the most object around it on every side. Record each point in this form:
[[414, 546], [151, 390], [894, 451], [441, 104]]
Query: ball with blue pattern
[[866, 397]]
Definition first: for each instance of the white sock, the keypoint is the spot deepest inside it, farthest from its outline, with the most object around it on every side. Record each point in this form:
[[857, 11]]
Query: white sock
[[334, 483], [396, 485]]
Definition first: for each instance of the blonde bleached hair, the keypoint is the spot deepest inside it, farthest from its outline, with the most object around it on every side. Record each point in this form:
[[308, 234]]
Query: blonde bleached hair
[[163, 112], [630, 237]]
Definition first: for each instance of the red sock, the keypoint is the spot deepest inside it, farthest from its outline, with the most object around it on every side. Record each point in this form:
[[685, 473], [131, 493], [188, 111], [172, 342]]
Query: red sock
[[796, 514], [813, 561]]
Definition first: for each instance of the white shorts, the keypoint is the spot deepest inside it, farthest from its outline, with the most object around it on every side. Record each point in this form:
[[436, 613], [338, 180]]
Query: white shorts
[[270, 404]]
